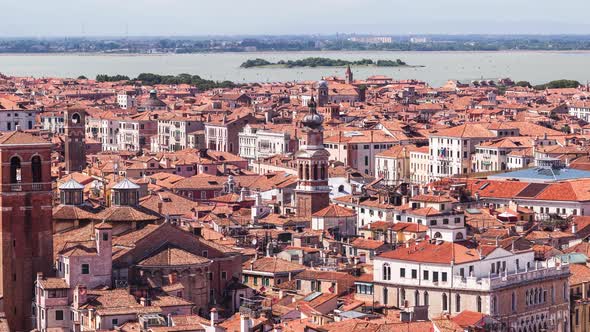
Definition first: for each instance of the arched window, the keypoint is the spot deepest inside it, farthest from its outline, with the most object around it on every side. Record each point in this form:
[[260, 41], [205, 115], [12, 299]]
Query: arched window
[[385, 296], [76, 118], [301, 171], [307, 172], [459, 236], [15, 170], [341, 188], [458, 303], [386, 272], [445, 302], [437, 235], [513, 301], [494, 304], [315, 171], [402, 295], [426, 298], [36, 169], [416, 298], [323, 172]]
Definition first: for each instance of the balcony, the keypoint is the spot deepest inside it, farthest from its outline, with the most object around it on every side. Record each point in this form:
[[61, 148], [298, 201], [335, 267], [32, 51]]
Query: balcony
[[19, 187]]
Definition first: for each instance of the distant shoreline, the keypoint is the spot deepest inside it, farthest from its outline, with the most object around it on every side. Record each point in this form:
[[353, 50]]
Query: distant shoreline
[[285, 52]]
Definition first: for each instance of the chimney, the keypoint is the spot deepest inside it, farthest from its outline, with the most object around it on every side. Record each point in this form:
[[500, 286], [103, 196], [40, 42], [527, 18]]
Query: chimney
[[214, 316], [145, 301], [245, 323], [160, 204], [574, 227], [79, 296]]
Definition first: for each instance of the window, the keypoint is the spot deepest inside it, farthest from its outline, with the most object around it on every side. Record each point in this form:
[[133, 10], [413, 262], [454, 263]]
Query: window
[[435, 276], [444, 277], [513, 302], [425, 275], [105, 236], [223, 275], [386, 272], [255, 281], [445, 302], [245, 277], [478, 303], [115, 322], [458, 303], [402, 272], [298, 282], [59, 315], [414, 274], [85, 269], [15, 170]]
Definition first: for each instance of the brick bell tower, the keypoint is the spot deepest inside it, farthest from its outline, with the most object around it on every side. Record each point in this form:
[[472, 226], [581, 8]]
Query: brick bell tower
[[312, 192], [75, 140], [26, 227]]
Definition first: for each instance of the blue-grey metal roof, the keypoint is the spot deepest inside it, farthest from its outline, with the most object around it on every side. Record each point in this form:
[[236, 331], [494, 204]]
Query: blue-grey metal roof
[[543, 175], [352, 314], [574, 258], [312, 296]]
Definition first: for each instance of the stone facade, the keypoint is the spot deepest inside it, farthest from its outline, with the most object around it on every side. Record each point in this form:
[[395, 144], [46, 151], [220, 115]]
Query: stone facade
[[75, 140], [25, 222]]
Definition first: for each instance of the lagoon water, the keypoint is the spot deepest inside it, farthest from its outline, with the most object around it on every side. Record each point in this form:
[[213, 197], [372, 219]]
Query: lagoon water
[[536, 67]]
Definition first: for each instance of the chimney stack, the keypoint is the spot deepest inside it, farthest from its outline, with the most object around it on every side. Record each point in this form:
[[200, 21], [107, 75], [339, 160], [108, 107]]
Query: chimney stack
[[574, 227], [214, 316], [245, 323]]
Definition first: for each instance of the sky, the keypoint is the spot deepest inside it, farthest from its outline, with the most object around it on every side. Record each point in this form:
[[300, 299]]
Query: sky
[[58, 18]]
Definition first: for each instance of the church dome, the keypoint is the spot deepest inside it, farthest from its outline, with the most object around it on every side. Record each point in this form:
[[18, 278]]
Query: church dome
[[313, 119], [153, 101], [322, 84]]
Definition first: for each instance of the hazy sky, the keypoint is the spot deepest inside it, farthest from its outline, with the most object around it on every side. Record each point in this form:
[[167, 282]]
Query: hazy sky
[[233, 17]]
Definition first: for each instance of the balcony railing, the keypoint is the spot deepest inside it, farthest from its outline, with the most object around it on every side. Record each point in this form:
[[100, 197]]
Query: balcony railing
[[18, 187]]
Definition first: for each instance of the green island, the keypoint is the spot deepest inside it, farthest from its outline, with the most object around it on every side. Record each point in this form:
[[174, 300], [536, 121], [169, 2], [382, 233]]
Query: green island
[[153, 79], [322, 62]]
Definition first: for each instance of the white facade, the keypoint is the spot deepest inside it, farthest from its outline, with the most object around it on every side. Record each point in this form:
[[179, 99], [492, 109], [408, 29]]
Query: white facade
[[125, 101], [419, 167], [173, 134], [9, 119], [451, 155], [260, 143]]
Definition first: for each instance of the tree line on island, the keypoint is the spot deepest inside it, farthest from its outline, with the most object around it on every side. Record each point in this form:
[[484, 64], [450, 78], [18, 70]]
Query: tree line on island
[[321, 62], [557, 84], [153, 79], [204, 84]]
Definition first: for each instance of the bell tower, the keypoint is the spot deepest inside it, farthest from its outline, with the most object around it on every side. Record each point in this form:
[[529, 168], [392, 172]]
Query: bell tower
[[323, 93], [312, 192], [25, 222], [75, 140], [348, 74]]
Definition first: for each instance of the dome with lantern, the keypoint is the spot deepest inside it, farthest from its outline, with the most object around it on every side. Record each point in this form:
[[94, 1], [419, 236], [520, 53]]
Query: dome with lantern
[[313, 119]]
